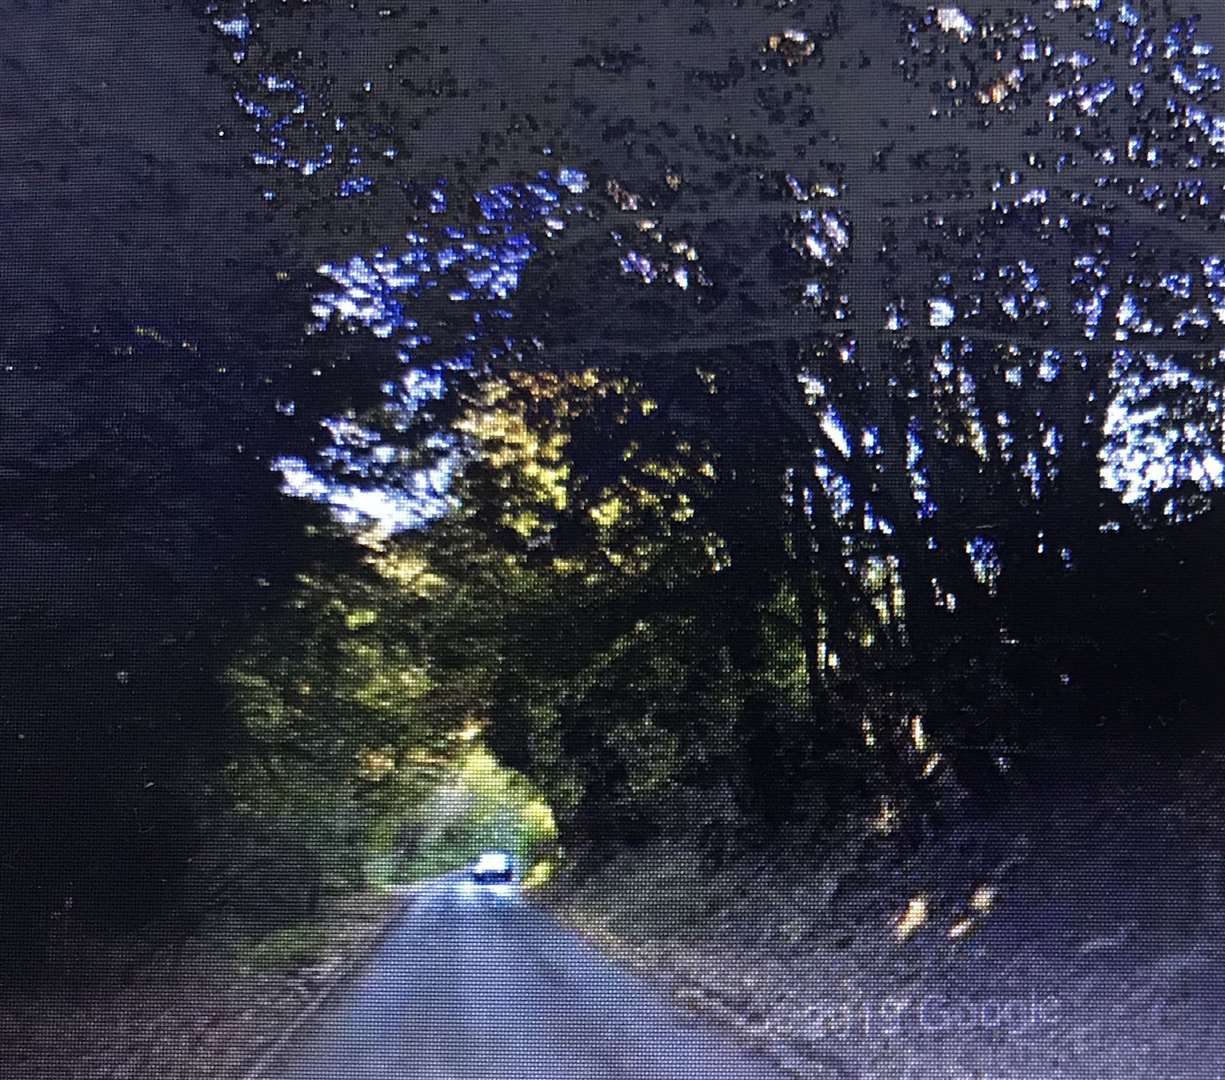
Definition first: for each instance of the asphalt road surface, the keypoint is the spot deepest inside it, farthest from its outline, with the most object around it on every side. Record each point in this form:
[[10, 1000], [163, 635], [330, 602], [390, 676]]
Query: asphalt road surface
[[473, 983]]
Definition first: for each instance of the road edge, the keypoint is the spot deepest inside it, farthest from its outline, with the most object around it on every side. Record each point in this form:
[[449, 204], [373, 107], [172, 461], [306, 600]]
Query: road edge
[[261, 1059]]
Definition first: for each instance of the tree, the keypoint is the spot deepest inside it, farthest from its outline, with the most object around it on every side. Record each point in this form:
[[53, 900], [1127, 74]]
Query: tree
[[152, 367], [920, 286], [923, 242]]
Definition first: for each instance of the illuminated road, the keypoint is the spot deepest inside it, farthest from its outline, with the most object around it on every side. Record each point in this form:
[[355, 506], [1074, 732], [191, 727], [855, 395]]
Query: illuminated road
[[475, 984]]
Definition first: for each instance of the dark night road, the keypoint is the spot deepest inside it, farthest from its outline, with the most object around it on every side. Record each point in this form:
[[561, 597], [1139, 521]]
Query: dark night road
[[473, 983]]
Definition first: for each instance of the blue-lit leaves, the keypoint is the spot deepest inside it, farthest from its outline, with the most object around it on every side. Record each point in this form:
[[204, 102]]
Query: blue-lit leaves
[[952, 20], [238, 28], [413, 502], [823, 236], [278, 107], [369, 295], [1163, 429], [671, 263], [1012, 244], [1133, 319], [1177, 283], [1090, 290], [940, 311], [573, 180], [1179, 40], [388, 293], [355, 185], [1088, 97], [836, 487], [280, 84], [250, 107], [368, 475], [1091, 98], [232, 22], [375, 291], [1203, 76], [635, 263], [985, 561], [522, 202], [1021, 294], [920, 478], [1213, 270]]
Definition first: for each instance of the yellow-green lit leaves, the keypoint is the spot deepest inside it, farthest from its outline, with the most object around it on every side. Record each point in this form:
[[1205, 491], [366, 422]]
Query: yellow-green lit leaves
[[540, 446], [410, 571], [477, 805], [335, 692], [355, 620], [523, 459]]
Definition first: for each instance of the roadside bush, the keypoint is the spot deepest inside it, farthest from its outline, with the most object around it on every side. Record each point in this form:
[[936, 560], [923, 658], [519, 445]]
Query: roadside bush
[[284, 950]]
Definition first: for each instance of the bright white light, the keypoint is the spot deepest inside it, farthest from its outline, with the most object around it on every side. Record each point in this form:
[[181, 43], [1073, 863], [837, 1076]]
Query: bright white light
[[831, 424], [940, 312], [952, 20], [573, 180]]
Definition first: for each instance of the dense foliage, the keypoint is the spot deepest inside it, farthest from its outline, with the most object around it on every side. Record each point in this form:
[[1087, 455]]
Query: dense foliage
[[800, 408], [830, 386]]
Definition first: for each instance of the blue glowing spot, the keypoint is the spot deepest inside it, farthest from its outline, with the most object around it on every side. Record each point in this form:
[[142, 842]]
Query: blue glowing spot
[[238, 27], [914, 444], [1158, 432], [985, 560], [252, 108], [940, 312], [837, 490], [831, 424], [1178, 284], [635, 263], [355, 185], [1089, 99], [543, 193], [277, 83]]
